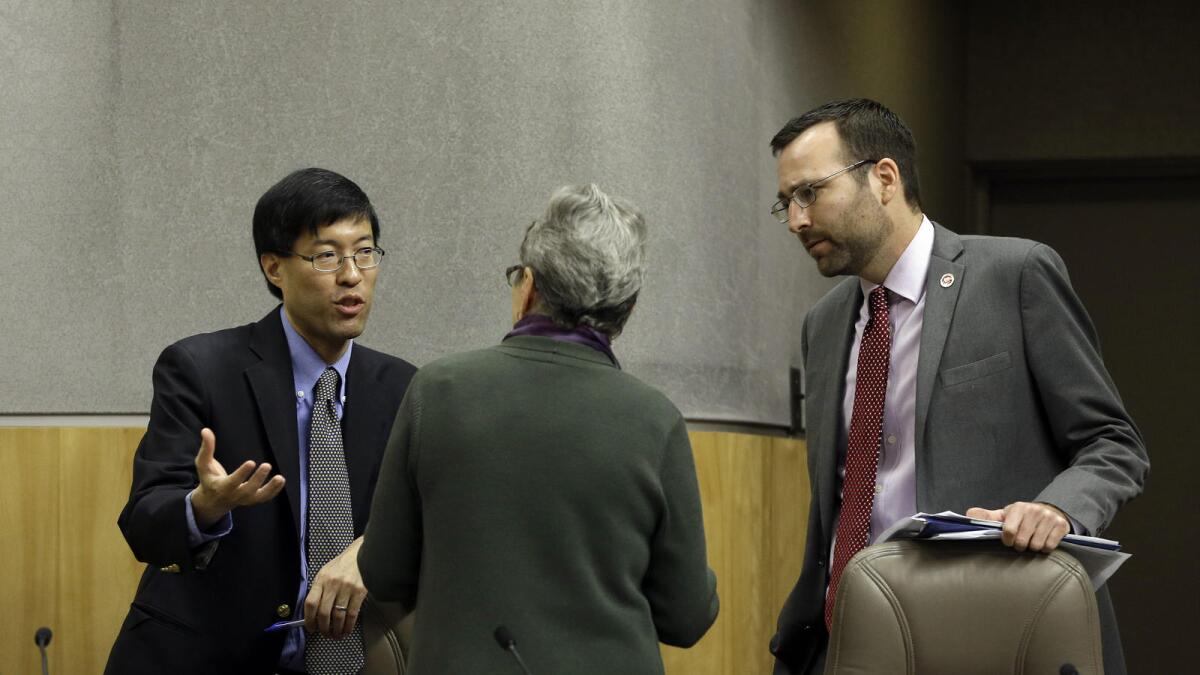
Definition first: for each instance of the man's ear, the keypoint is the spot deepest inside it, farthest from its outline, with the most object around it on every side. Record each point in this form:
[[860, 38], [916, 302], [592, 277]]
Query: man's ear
[[532, 297], [272, 267], [527, 295], [888, 175]]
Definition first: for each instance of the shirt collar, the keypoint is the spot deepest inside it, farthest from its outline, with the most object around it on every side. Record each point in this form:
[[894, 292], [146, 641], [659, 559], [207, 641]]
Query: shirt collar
[[907, 278], [543, 326], [307, 365]]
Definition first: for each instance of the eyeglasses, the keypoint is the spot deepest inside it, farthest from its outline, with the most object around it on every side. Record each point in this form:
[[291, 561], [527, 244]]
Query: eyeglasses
[[510, 274], [805, 195], [330, 261]]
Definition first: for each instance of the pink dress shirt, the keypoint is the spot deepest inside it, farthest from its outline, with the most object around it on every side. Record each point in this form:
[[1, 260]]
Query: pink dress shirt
[[896, 475]]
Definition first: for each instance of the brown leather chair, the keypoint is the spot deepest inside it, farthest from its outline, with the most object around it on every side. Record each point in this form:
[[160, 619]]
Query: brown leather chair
[[387, 630], [933, 607]]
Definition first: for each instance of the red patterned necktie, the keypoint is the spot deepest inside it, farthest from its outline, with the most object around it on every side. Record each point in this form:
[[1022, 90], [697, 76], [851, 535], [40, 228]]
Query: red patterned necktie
[[862, 452]]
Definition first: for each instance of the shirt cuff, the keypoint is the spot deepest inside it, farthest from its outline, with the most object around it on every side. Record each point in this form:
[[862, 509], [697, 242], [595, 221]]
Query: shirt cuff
[[1076, 528], [196, 537]]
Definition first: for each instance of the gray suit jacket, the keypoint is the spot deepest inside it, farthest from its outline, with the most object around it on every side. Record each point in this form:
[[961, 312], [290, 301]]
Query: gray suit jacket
[[1013, 404]]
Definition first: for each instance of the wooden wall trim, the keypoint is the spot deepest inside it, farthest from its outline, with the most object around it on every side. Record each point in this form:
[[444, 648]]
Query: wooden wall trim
[[67, 566]]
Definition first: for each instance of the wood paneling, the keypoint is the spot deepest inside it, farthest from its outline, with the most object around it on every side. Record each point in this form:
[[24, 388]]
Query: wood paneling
[[755, 495], [65, 564]]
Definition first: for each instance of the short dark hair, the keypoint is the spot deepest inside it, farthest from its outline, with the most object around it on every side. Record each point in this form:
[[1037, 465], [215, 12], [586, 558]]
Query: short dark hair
[[868, 131], [305, 201]]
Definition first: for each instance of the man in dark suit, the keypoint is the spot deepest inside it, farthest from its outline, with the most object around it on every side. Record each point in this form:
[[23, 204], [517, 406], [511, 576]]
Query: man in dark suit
[[288, 404], [948, 373]]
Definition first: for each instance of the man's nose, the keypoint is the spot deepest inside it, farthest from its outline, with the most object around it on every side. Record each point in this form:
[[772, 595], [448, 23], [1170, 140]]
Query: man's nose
[[797, 218], [349, 274]]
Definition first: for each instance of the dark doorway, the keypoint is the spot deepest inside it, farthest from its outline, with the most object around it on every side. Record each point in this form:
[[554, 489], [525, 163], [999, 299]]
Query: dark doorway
[[1130, 237]]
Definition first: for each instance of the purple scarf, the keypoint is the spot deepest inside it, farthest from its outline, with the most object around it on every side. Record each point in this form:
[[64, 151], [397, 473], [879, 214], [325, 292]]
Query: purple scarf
[[543, 326]]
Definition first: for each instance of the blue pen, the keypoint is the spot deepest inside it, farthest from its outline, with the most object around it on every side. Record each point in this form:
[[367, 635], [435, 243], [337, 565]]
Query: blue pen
[[283, 625]]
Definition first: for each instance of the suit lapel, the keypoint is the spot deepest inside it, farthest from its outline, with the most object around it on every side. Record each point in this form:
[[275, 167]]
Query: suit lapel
[[940, 301], [364, 421], [835, 351], [271, 380]]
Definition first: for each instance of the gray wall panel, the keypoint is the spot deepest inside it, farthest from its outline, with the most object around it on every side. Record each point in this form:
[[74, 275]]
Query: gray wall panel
[[459, 120], [58, 195]]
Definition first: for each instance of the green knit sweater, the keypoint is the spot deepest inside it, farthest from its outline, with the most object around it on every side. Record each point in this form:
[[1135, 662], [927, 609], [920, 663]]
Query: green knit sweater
[[536, 486]]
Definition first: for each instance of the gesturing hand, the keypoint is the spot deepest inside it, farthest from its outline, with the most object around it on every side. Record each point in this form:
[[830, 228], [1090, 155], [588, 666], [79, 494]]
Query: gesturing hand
[[220, 492], [1027, 525]]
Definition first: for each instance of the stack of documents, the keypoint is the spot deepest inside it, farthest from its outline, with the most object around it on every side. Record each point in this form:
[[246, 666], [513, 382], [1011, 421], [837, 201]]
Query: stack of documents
[[1100, 557]]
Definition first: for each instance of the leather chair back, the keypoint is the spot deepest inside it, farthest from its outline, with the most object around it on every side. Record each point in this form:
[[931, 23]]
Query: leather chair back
[[387, 630], [962, 607]]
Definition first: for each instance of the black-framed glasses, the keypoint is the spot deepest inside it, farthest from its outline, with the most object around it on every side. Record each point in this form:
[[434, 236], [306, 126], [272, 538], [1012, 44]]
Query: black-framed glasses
[[330, 261], [805, 195], [511, 276]]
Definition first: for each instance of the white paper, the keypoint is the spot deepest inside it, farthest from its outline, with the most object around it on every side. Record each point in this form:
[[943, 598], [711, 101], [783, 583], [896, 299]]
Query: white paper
[[1100, 563]]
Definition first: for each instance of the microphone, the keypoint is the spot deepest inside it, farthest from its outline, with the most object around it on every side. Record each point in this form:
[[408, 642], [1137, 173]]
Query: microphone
[[508, 643], [42, 639], [1068, 669]]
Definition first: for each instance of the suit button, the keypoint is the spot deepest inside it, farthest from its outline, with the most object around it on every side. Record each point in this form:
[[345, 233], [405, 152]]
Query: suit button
[[284, 611], [820, 563], [173, 568]]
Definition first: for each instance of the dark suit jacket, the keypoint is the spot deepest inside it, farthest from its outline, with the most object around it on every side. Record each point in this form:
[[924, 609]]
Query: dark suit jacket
[[238, 382], [1013, 404], [534, 485]]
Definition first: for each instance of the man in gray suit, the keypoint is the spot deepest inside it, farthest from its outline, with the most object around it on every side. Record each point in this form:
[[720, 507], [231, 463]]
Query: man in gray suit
[[947, 373]]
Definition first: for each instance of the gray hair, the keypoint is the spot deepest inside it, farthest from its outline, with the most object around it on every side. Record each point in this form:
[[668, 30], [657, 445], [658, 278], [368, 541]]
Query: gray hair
[[588, 256]]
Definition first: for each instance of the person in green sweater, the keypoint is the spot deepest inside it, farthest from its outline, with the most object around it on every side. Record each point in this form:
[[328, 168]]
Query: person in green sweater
[[537, 486]]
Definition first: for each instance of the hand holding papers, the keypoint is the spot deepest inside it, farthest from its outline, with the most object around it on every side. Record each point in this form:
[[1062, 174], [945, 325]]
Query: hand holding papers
[[1100, 557], [949, 522]]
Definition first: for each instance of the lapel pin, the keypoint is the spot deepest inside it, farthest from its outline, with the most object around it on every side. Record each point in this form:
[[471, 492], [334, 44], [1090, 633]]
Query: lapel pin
[[947, 280]]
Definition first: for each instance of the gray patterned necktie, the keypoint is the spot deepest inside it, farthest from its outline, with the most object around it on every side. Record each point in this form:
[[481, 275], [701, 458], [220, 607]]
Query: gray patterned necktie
[[330, 522]]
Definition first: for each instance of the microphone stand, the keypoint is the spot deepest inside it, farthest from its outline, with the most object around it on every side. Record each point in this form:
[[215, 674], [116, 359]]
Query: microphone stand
[[42, 638], [508, 643]]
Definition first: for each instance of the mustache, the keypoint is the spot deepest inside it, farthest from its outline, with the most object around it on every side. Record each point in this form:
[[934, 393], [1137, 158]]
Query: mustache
[[810, 237]]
